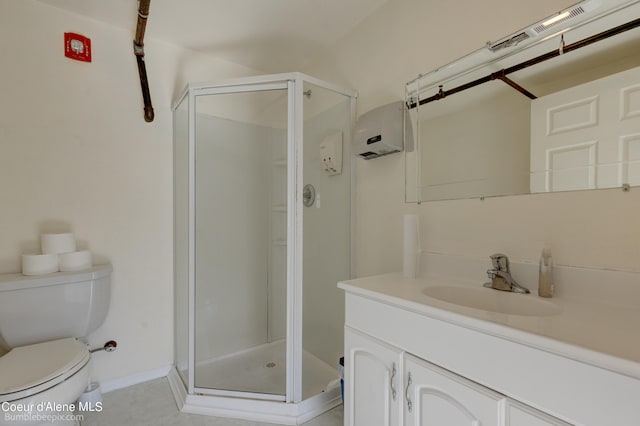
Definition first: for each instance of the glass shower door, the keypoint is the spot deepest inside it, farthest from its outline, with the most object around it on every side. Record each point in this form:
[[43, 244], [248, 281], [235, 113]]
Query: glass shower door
[[240, 240], [326, 234]]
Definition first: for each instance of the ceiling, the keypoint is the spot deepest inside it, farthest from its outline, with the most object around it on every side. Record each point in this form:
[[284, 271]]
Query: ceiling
[[267, 35]]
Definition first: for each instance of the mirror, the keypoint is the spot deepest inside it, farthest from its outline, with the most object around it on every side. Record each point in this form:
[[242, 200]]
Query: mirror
[[582, 130]]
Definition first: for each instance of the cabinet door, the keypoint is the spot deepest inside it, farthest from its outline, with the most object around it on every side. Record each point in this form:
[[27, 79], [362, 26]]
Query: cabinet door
[[522, 415], [436, 397], [372, 381]]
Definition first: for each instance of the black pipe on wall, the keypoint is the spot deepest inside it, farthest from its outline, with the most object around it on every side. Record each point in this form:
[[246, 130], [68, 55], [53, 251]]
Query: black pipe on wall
[[138, 50]]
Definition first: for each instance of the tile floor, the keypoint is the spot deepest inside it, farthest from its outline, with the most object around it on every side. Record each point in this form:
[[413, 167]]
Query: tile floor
[[152, 403]]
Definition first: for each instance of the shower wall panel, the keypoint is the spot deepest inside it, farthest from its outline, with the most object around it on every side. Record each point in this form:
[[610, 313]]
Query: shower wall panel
[[278, 237], [326, 228], [233, 161]]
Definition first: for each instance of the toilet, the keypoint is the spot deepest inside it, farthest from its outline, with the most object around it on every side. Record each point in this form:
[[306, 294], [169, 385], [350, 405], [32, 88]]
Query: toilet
[[43, 319]]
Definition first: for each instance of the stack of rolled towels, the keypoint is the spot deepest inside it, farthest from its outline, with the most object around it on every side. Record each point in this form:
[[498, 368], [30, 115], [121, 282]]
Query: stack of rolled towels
[[58, 253]]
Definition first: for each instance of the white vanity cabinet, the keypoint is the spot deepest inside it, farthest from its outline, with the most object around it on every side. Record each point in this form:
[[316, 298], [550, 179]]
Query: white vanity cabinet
[[470, 367], [385, 386]]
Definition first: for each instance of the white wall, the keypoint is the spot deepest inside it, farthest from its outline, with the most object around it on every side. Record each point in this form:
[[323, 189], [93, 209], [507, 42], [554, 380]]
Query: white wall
[[76, 154], [392, 46]]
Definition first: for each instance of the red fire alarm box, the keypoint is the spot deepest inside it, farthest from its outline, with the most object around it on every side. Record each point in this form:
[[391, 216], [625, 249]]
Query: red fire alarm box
[[77, 47]]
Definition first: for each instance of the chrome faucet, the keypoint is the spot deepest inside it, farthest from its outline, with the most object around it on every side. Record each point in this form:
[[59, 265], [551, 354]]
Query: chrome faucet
[[500, 275]]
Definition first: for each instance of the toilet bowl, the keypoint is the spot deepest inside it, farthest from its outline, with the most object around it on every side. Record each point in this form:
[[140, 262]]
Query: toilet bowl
[[46, 367], [41, 382]]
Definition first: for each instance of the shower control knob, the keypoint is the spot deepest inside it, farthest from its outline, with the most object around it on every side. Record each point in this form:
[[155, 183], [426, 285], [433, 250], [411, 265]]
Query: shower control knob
[[308, 195]]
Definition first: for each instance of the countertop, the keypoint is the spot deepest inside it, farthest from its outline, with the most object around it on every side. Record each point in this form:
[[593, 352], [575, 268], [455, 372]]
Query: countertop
[[598, 333]]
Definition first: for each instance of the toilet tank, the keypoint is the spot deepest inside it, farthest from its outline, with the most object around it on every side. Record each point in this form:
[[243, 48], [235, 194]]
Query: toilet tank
[[35, 309]]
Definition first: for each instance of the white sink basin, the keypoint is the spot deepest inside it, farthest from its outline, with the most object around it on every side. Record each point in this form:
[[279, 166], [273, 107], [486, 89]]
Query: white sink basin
[[487, 299]]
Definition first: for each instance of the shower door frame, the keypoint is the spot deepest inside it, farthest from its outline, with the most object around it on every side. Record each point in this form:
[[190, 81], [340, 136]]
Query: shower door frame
[[294, 84]]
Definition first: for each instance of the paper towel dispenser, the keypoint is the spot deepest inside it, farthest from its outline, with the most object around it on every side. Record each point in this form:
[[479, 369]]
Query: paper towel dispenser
[[383, 131]]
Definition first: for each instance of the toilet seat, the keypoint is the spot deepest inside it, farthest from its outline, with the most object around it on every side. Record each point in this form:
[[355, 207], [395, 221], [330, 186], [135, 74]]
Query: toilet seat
[[32, 369]]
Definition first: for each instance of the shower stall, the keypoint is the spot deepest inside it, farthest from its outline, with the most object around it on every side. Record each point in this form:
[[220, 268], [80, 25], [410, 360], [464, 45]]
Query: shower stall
[[262, 234]]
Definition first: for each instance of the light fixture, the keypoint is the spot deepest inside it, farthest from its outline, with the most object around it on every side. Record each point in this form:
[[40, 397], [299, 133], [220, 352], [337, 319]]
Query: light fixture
[[555, 19]]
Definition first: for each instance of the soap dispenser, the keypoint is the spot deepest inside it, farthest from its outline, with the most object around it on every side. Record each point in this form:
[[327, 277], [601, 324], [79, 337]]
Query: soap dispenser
[[545, 274]]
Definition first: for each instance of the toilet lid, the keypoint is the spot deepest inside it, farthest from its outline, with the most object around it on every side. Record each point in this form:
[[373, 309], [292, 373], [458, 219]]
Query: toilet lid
[[28, 367]]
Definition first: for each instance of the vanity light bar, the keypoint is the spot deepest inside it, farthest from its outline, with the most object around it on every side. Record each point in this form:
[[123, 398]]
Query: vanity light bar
[[545, 25], [537, 29], [562, 17], [580, 14], [501, 75]]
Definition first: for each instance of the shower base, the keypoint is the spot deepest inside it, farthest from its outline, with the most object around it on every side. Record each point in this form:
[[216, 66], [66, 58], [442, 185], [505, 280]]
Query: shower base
[[259, 370], [262, 369]]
